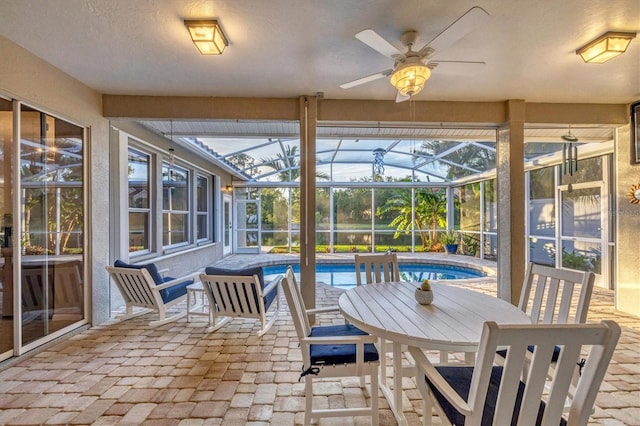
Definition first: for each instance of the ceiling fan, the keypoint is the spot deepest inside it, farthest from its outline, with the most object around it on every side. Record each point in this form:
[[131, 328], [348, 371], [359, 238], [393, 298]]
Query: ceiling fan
[[413, 68]]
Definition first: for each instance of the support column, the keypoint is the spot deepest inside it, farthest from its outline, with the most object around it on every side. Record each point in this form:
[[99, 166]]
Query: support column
[[308, 122], [511, 198]]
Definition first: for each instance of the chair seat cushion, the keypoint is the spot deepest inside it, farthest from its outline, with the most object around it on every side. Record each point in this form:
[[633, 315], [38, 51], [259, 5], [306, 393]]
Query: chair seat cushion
[[459, 378], [177, 290], [255, 270], [150, 267], [339, 353]]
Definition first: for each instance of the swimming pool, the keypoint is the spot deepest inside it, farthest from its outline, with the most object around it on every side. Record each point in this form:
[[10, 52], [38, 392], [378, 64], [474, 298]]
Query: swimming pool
[[344, 276]]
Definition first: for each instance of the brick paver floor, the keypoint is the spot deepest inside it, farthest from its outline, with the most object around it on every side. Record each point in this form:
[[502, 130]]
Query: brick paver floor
[[177, 374]]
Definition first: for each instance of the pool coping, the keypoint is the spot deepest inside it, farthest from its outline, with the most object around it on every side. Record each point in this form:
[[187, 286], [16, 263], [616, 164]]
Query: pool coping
[[245, 260]]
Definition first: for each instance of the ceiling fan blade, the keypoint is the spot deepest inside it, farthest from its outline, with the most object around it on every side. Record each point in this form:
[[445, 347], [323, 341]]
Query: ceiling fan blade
[[462, 68], [377, 43], [475, 17], [366, 79], [401, 98]]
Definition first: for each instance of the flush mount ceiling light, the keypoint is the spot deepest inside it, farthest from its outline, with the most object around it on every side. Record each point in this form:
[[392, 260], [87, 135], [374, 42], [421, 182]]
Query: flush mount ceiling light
[[410, 78], [607, 46], [207, 36]]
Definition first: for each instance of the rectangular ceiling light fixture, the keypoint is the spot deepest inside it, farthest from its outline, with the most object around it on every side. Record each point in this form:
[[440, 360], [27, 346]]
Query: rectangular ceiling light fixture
[[207, 36], [607, 46]]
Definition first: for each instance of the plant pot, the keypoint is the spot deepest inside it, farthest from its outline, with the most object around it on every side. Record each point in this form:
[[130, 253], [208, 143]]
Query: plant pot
[[424, 297], [451, 248]]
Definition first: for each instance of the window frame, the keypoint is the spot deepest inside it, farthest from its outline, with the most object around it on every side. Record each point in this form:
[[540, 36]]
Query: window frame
[[208, 203], [187, 213], [158, 164], [149, 209]]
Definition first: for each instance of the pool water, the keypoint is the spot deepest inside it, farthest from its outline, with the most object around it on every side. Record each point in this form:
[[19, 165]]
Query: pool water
[[344, 276]]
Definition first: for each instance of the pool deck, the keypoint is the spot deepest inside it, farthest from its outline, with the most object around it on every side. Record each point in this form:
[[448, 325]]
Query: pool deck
[[125, 372]]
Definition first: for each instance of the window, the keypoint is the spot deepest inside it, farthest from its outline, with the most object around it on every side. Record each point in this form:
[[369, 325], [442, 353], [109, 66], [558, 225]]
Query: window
[[170, 205], [203, 228], [175, 205], [139, 205]]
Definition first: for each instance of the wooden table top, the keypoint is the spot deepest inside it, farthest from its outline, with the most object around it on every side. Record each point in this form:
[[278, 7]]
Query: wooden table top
[[453, 321]]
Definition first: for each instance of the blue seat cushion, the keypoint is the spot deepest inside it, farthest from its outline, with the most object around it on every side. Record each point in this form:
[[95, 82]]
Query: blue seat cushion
[[150, 267], [459, 378], [177, 290], [339, 353], [255, 270], [531, 348]]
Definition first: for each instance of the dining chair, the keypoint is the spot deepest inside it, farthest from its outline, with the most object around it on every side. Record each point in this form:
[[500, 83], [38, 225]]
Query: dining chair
[[552, 295], [555, 296], [377, 268], [488, 394], [331, 351]]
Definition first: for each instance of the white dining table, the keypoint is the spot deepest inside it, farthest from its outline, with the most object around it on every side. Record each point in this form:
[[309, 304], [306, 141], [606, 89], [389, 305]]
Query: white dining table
[[452, 322]]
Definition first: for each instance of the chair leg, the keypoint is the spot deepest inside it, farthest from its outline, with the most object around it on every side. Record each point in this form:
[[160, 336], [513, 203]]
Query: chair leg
[[163, 321], [129, 313], [374, 399], [266, 325], [427, 407], [308, 401], [218, 323]]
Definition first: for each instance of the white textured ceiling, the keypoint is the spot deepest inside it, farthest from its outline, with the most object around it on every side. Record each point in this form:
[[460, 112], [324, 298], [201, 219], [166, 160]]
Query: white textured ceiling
[[286, 48]]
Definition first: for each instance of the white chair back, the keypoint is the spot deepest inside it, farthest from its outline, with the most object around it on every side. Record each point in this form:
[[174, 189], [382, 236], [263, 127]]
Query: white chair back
[[556, 296], [241, 296], [503, 387], [377, 268], [296, 304]]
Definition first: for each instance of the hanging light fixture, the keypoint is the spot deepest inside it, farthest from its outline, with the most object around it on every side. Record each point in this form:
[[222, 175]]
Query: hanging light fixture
[[207, 36], [378, 161], [569, 154], [410, 77], [172, 157], [607, 46]]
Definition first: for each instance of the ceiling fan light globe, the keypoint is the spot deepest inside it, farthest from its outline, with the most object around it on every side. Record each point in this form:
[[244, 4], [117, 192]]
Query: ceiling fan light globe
[[409, 80]]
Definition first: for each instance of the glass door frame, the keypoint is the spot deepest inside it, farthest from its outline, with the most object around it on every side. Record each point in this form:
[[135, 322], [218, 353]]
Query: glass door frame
[[227, 224], [241, 230], [18, 211], [602, 278]]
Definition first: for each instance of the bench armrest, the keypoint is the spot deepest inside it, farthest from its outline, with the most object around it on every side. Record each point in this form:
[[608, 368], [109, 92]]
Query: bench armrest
[[340, 340], [322, 310], [273, 284], [179, 280], [425, 367]]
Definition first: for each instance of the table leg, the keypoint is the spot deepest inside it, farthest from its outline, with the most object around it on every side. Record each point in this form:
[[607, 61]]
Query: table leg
[[397, 380]]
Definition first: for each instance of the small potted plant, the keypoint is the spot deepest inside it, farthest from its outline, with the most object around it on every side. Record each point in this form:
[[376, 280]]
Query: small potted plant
[[450, 241], [424, 294]]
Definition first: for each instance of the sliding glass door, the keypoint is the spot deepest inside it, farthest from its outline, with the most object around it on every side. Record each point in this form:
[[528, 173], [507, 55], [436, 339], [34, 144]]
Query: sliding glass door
[[51, 227]]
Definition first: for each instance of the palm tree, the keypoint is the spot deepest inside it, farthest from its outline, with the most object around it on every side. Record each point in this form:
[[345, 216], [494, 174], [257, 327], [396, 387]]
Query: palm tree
[[430, 213], [288, 165], [474, 157]]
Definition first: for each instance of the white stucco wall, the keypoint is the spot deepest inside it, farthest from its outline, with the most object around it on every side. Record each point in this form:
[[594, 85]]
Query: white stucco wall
[[628, 225]]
